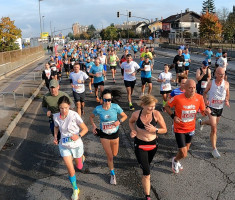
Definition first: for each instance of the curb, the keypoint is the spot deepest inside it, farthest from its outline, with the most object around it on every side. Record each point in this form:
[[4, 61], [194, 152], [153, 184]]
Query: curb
[[13, 124]]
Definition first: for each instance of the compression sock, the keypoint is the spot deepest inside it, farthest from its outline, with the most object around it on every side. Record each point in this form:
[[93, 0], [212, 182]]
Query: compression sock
[[73, 182], [112, 172], [80, 162]]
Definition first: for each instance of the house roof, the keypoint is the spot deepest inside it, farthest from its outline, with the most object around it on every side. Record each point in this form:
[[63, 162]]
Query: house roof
[[189, 16]]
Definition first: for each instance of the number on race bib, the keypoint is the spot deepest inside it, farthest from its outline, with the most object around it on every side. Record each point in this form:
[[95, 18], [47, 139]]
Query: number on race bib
[[109, 127], [188, 115]]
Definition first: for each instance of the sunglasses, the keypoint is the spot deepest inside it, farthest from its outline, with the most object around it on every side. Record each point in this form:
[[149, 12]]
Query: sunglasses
[[107, 100]]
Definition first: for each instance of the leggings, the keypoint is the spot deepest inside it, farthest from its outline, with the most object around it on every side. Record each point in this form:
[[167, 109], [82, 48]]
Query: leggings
[[145, 157]]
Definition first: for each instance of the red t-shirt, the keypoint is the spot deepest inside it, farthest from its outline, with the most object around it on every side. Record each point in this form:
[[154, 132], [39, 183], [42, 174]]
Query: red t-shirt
[[186, 109]]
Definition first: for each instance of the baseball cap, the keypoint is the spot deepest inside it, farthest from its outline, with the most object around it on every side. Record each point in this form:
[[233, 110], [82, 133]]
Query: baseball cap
[[54, 83], [205, 63]]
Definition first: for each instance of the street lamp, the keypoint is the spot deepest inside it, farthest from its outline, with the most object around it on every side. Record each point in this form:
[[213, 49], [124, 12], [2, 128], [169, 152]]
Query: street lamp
[[43, 30], [40, 18]]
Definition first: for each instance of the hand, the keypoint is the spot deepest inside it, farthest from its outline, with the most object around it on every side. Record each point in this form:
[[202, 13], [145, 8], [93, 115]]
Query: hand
[[79, 81], [227, 103], [177, 119], [55, 141], [117, 123], [94, 130], [133, 74], [48, 113], [74, 137], [150, 128], [208, 111], [133, 133]]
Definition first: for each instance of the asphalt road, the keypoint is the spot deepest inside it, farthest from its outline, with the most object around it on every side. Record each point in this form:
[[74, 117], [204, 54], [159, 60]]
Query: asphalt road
[[34, 169]]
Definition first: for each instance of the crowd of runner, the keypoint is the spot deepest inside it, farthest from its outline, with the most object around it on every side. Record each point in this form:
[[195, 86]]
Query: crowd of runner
[[88, 63]]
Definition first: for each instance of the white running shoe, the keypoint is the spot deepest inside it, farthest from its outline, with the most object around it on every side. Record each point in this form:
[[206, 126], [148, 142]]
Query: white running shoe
[[75, 194], [215, 153], [180, 166], [200, 125], [113, 180], [175, 166]]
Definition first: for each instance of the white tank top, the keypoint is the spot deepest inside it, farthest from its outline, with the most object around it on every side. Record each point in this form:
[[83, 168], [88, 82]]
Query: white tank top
[[217, 95], [102, 59]]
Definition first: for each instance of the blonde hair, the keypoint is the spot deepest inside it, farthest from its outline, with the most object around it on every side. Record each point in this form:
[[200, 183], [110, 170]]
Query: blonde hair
[[147, 100]]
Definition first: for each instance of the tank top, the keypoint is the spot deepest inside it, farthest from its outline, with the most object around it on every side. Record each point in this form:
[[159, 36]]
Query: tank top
[[140, 124], [217, 95], [102, 59], [203, 81], [113, 60]]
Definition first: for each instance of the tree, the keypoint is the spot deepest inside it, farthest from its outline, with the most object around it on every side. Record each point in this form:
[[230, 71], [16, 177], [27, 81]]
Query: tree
[[70, 35], [222, 15], [9, 33], [91, 30], [229, 27], [210, 27], [208, 6], [110, 33]]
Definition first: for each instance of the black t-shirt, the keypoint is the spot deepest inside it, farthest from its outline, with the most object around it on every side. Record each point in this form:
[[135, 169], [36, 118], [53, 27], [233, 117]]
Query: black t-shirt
[[180, 59]]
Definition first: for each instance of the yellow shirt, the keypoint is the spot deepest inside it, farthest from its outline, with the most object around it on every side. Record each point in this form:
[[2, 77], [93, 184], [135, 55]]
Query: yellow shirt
[[149, 54]]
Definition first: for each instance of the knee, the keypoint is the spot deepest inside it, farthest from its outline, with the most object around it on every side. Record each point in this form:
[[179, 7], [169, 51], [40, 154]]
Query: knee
[[213, 129], [184, 153], [146, 177]]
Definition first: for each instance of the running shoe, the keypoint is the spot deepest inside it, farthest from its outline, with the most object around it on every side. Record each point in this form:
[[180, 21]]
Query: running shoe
[[131, 107], [180, 166], [75, 194], [113, 180], [175, 166], [97, 99], [105, 78], [215, 153], [148, 198], [200, 125]]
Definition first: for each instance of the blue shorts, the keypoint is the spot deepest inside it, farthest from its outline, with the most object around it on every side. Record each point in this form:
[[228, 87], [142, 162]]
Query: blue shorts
[[74, 152], [105, 67]]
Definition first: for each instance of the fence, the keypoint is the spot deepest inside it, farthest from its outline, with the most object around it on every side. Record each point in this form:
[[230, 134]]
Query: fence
[[12, 60]]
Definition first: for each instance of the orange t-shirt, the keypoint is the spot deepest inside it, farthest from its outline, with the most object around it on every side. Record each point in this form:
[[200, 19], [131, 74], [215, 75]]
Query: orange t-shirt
[[186, 109]]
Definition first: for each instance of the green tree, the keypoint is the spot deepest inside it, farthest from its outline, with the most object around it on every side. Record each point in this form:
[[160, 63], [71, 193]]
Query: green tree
[[70, 35], [229, 27], [91, 30], [210, 28], [110, 33], [9, 33], [208, 5]]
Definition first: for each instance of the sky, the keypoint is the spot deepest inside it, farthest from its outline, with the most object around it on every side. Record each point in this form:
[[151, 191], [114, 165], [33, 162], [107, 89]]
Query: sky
[[61, 14]]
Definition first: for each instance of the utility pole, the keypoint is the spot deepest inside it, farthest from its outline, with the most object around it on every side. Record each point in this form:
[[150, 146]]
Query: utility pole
[[40, 18], [127, 24]]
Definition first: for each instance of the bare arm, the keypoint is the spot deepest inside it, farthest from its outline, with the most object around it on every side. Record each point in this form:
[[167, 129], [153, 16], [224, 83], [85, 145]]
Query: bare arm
[[56, 130], [161, 122], [208, 87], [92, 116], [227, 94], [132, 121]]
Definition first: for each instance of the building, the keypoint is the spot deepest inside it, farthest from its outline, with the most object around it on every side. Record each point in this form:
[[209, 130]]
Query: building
[[184, 22], [126, 25], [78, 29], [155, 25]]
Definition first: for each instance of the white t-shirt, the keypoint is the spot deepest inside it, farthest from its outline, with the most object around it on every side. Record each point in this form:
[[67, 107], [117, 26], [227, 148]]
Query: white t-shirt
[[82, 76], [222, 62], [102, 59], [129, 68], [165, 86], [68, 127], [48, 73]]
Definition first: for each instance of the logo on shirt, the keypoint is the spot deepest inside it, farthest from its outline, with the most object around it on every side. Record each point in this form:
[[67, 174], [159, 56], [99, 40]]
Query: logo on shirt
[[107, 116], [189, 107]]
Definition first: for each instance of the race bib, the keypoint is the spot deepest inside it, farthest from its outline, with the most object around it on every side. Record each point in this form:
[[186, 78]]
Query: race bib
[[108, 127], [180, 64], [188, 115], [78, 88], [99, 74], [186, 60], [166, 87], [147, 68], [128, 71], [209, 60], [72, 62], [66, 140], [48, 75], [217, 102], [204, 84]]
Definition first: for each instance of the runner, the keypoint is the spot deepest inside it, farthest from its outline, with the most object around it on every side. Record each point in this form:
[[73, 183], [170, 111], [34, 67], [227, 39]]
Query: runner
[[130, 67], [66, 65], [135, 49], [143, 125], [72, 129], [146, 68], [186, 107], [89, 64], [182, 80], [217, 56], [49, 102], [59, 66], [103, 61], [203, 76], [165, 78], [218, 94], [154, 55], [223, 62], [179, 62], [112, 60], [109, 126], [46, 75], [123, 59], [97, 71], [77, 80], [146, 52], [187, 61], [208, 53]]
